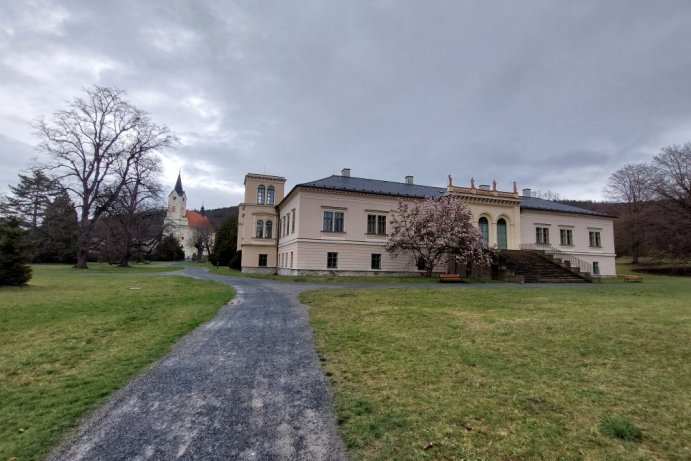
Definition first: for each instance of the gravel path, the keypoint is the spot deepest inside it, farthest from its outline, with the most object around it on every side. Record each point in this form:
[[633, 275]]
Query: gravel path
[[246, 385]]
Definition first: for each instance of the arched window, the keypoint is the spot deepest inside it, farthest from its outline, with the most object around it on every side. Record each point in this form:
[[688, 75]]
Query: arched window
[[270, 195], [484, 230], [260, 229], [269, 229], [261, 195], [502, 240]]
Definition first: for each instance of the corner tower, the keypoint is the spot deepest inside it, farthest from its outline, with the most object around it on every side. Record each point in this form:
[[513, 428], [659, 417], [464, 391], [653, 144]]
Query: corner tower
[[258, 222]]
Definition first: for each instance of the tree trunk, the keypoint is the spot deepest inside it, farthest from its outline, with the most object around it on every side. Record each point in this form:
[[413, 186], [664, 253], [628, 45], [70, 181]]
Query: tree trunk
[[82, 255], [83, 242]]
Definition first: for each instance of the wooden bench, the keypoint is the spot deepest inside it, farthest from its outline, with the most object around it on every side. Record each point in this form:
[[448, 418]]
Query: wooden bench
[[449, 277], [633, 278]]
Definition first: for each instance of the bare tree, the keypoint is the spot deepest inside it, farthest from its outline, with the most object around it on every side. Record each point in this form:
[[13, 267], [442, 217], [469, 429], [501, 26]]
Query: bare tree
[[132, 223], [547, 195], [203, 238], [673, 168], [673, 187], [633, 185], [92, 147]]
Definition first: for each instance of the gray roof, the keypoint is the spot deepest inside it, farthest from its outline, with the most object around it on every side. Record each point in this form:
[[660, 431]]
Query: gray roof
[[375, 186], [178, 186], [533, 203], [399, 189]]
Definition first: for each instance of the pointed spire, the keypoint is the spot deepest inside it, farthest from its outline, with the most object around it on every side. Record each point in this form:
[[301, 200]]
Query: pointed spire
[[178, 186]]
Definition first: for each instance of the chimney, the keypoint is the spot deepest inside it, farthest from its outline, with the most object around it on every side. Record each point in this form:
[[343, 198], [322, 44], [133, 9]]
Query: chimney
[[484, 186], [345, 172], [408, 179], [527, 193]]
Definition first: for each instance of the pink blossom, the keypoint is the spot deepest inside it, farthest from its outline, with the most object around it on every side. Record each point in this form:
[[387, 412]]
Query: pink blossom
[[436, 231]]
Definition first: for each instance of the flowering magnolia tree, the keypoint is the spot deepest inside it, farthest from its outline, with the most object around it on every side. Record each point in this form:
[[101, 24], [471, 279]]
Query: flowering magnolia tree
[[436, 231]]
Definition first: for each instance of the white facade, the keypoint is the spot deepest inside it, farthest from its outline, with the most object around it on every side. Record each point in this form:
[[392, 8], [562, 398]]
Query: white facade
[[587, 237], [339, 225]]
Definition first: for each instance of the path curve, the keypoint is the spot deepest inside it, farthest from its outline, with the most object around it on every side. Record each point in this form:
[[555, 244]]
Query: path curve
[[245, 385]]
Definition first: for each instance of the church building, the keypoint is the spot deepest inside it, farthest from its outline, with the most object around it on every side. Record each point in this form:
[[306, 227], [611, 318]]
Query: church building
[[186, 225], [339, 225]]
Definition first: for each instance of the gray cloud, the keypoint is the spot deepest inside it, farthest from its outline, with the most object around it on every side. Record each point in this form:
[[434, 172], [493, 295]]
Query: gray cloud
[[554, 95]]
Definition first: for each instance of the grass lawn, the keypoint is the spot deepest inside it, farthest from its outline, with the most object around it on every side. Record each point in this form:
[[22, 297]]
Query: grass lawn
[[72, 337], [588, 372]]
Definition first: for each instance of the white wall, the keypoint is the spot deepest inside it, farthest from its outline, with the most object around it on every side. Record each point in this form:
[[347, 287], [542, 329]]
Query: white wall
[[581, 225]]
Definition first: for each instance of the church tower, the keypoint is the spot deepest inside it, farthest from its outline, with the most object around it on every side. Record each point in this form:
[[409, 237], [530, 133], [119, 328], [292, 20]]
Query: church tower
[[177, 204]]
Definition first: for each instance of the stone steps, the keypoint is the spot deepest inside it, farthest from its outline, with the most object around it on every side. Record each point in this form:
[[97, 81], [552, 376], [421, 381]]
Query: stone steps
[[537, 268]]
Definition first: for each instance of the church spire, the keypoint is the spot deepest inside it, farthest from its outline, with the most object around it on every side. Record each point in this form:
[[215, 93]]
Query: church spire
[[178, 186]]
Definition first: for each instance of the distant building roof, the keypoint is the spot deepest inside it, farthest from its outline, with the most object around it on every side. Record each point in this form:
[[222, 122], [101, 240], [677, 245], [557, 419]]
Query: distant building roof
[[375, 186], [399, 189], [178, 186], [196, 219]]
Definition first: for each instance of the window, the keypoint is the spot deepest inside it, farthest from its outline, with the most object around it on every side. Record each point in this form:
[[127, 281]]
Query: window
[[376, 261], [263, 259], [331, 260], [595, 239], [596, 268], [260, 229], [291, 259], [421, 264], [484, 230], [270, 195], [333, 221], [566, 237], [292, 229], [542, 235], [502, 239], [376, 224], [269, 229], [261, 195], [287, 223]]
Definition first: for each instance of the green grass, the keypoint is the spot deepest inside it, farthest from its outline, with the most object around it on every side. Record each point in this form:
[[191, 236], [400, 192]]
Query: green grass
[[72, 337], [622, 428], [510, 373]]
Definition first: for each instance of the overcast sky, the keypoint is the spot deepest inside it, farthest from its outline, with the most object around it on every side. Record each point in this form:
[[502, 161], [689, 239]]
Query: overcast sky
[[555, 95]]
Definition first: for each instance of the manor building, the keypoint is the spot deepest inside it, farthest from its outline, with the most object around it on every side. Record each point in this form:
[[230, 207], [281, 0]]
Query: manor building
[[340, 224], [186, 225]]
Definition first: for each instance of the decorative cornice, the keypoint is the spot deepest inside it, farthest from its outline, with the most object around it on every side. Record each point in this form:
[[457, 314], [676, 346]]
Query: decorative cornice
[[265, 177]]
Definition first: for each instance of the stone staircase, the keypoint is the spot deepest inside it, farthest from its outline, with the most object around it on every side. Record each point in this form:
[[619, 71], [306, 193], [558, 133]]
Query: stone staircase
[[536, 267]]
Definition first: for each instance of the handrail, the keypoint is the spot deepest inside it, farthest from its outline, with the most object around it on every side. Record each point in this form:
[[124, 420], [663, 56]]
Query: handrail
[[546, 248]]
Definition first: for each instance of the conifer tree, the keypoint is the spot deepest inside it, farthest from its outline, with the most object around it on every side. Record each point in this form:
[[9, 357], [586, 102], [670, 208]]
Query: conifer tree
[[169, 249], [29, 199], [14, 267], [225, 244], [57, 237]]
